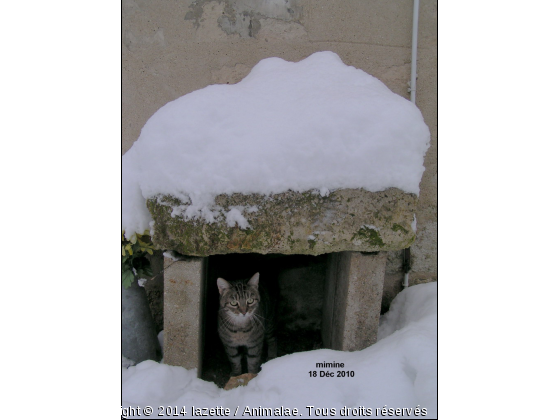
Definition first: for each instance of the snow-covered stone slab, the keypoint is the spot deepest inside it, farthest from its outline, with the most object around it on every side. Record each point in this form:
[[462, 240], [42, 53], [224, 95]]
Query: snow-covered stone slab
[[317, 124], [310, 223]]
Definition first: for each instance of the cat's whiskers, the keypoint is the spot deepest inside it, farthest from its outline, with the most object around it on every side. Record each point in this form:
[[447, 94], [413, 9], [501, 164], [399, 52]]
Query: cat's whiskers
[[260, 318], [257, 321]]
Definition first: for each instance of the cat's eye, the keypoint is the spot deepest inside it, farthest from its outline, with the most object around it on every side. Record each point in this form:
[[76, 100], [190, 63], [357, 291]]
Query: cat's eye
[[233, 303], [251, 300]]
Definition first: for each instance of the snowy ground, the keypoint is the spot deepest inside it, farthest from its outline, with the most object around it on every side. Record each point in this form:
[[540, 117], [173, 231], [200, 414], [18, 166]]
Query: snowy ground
[[397, 375]]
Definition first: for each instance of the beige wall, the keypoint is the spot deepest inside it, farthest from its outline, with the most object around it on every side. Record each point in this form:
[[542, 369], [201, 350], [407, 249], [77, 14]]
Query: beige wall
[[171, 48]]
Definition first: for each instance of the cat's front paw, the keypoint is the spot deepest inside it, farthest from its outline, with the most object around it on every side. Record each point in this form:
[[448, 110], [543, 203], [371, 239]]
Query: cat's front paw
[[240, 380]]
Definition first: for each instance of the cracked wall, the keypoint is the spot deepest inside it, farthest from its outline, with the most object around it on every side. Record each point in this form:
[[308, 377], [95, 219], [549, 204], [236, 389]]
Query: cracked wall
[[174, 47], [244, 17]]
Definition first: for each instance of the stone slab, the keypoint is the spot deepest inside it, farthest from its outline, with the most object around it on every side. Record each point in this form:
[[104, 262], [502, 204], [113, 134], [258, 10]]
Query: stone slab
[[183, 308], [292, 223]]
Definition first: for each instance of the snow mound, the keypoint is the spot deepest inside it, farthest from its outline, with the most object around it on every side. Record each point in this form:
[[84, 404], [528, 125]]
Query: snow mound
[[317, 124], [398, 372]]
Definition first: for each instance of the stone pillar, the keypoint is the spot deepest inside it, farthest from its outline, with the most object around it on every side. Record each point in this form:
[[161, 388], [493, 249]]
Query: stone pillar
[[184, 291], [353, 294]]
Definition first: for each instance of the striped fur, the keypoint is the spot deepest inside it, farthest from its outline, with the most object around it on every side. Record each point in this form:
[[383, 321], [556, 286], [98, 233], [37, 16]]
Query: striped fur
[[245, 319]]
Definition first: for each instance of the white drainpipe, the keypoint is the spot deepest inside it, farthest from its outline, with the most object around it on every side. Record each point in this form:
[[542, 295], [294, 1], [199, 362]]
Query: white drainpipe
[[415, 7], [414, 51]]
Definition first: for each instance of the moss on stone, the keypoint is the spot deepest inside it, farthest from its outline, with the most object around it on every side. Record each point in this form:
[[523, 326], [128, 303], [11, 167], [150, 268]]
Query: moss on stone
[[396, 227], [409, 242], [369, 235]]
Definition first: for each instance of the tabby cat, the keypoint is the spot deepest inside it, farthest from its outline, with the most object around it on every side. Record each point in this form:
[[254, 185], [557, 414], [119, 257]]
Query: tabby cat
[[245, 319]]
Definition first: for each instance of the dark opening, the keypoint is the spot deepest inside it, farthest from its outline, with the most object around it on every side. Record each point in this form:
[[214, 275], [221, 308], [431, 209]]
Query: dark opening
[[297, 284]]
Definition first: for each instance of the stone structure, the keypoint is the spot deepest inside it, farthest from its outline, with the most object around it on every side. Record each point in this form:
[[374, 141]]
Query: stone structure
[[172, 48], [293, 223], [350, 313], [175, 47], [345, 220]]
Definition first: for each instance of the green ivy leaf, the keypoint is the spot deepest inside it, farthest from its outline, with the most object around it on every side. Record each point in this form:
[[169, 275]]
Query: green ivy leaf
[[134, 251], [127, 278]]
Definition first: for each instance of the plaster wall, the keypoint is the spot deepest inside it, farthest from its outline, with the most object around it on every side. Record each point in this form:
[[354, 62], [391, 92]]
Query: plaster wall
[[173, 47]]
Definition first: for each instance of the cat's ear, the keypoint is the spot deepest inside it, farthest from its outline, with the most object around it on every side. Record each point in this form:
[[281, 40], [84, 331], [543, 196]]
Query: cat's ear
[[254, 280], [223, 285]]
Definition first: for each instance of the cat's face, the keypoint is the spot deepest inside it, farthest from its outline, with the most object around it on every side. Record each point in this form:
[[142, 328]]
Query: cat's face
[[239, 298]]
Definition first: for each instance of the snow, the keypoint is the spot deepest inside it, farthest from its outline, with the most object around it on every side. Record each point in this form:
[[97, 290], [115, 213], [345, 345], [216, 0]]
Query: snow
[[317, 124], [235, 216], [168, 254], [398, 372], [324, 192]]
